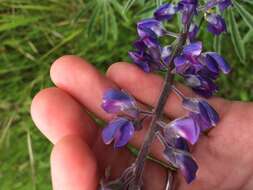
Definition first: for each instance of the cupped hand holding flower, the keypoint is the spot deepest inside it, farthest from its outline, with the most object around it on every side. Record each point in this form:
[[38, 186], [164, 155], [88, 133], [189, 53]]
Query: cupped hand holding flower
[[79, 156]]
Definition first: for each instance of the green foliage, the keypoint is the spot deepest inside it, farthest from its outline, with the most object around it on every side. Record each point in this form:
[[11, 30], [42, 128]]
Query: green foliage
[[34, 33]]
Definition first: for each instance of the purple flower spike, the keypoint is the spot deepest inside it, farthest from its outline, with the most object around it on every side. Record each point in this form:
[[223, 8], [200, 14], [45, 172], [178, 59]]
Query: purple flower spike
[[216, 24], [147, 26], [116, 101], [121, 130], [224, 4], [165, 12], [187, 166], [220, 62], [186, 128], [193, 49]]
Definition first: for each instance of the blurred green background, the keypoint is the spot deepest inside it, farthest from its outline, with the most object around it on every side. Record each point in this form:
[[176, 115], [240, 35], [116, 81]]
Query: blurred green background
[[33, 33]]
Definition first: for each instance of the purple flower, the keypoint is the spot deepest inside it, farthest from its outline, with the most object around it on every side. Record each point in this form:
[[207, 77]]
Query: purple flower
[[193, 49], [141, 60], [223, 4], [201, 112], [193, 31], [150, 27], [183, 161], [121, 130], [165, 12], [216, 24], [187, 7], [117, 101], [150, 56], [201, 85], [214, 60], [184, 127]]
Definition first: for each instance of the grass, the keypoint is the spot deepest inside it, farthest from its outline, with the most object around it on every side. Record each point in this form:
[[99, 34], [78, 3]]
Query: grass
[[34, 33]]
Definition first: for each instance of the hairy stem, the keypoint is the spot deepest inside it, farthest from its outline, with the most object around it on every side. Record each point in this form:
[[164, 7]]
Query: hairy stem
[[144, 151], [166, 90]]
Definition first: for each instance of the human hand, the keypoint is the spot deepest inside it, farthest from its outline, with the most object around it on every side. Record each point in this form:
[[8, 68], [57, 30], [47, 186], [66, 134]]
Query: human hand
[[79, 156]]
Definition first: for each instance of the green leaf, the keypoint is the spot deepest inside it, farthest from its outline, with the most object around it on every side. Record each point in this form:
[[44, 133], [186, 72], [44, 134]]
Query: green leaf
[[15, 21], [159, 3], [128, 5], [93, 18], [247, 17], [248, 37], [249, 1], [217, 44], [236, 37], [119, 9]]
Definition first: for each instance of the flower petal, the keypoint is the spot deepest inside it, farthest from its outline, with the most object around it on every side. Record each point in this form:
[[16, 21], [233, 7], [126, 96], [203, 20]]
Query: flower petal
[[224, 4], [165, 12], [191, 104], [165, 54], [125, 133], [186, 128], [110, 130], [221, 62], [187, 166], [145, 26], [208, 113], [216, 24], [115, 101], [181, 64], [200, 122], [139, 59], [193, 49], [193, 31]]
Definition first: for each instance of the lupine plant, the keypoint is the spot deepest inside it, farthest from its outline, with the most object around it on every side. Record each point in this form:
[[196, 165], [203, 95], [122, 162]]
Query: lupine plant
[[184, 57]]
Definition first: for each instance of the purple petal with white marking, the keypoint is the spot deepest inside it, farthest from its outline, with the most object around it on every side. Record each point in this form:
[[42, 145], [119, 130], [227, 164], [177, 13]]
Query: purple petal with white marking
[[139, 59], [200, 122], [153, 25], [181, 64], [193, 80], [115, 101], [125, 133], [193, 49], [186, 128], [211, 64], [110, 130], [165, 12], [208, 113], [201, 85], [191, 104], [220, 61], [187, 166], [216, 24], [193, 31], [166, 52]]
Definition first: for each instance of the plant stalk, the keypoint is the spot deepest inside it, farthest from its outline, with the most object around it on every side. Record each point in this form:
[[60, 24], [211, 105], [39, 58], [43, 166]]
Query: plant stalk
[[151, 134]]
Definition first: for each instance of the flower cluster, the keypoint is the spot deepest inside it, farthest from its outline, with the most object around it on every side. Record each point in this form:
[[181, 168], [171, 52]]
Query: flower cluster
[[121, 128], [199, 69]]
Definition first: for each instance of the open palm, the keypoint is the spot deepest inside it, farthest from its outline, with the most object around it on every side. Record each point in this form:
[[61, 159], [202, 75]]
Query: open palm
[[79, 156]]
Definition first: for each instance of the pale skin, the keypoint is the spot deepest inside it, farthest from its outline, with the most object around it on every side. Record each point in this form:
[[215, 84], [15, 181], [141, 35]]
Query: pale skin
[[79, 156]]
